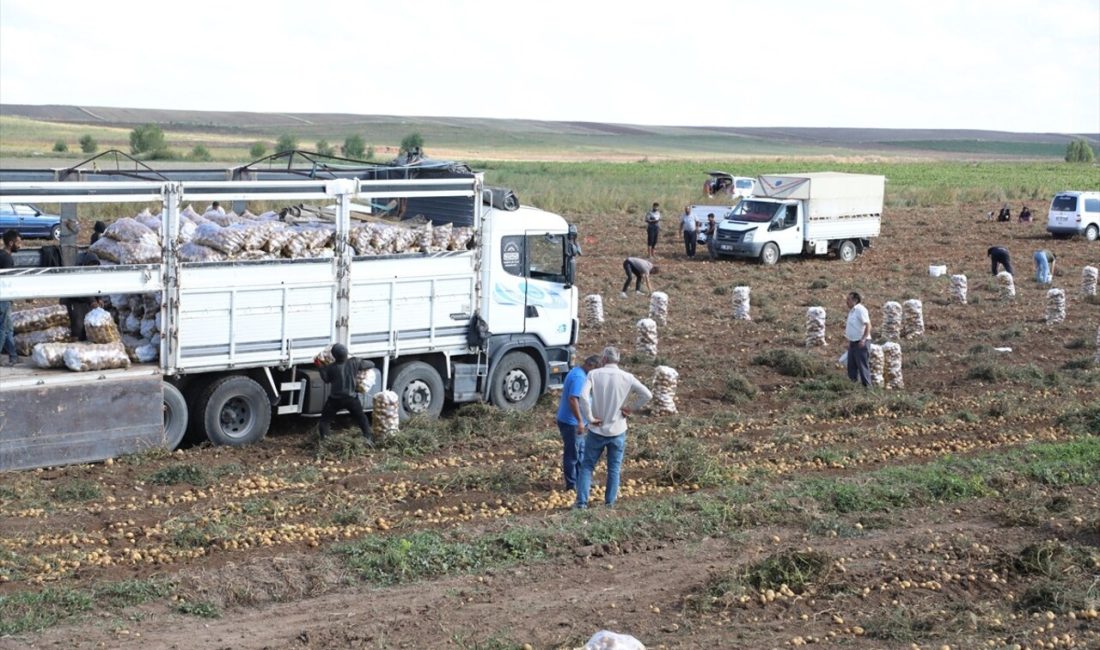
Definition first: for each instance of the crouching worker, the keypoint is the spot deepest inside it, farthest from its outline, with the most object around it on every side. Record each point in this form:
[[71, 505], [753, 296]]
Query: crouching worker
[[341, 375]]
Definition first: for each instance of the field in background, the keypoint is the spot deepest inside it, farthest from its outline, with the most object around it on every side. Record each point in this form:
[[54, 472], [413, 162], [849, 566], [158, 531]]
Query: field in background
[[781, 507]]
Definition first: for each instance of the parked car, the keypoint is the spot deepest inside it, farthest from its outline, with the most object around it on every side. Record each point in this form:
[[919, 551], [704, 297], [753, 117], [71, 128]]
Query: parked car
[[1075, 213], [733, 186], [29, 221]]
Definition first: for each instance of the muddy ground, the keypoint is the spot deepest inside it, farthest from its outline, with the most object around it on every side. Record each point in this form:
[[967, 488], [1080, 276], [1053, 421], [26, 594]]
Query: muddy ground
[[773, 511]]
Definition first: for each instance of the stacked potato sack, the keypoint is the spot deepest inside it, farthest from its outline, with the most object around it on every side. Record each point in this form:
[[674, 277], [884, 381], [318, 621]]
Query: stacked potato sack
[[664, 390], [1088, 280], [658, 307], [49, 355], [139, 320], [875, 361], [593, 310], [100, 327], [741, 305], [891, 353], [815, 326], [1007, 285], [40, 325], [912, 322], [891, 321], [647, 337], [386, 414], [128, 241], [1056, 306], [958, 289]]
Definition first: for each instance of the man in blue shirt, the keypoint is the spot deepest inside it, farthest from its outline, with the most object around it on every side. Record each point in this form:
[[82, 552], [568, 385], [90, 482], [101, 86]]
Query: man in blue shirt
[[571, 423]]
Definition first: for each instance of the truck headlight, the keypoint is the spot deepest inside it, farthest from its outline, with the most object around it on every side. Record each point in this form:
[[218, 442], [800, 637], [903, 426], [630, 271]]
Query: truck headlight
[[748, 236]]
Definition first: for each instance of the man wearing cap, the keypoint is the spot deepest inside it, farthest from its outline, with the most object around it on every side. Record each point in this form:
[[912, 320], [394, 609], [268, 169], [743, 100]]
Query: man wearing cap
[[608, 390], [342, 376]]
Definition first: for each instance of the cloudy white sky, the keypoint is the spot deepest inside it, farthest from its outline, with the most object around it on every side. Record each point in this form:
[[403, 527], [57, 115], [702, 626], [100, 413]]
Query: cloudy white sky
[[1010, 65]]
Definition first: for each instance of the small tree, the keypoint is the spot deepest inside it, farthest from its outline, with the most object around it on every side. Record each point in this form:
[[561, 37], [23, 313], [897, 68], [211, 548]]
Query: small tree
[[285, 143], [147, 138], [325, 149], [1080, 151], [88, 144], [200, 152], [258, 150], [354, 146], [412, 142], [60, 147]]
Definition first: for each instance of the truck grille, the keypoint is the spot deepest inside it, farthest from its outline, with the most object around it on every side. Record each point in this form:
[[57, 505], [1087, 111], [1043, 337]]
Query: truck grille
[[729, 236]]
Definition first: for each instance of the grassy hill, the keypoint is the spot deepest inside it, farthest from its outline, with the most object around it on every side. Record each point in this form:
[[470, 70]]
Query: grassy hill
[[28, 130]]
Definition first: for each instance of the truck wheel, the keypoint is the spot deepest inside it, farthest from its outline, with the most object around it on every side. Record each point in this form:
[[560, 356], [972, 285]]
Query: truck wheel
[[517, 383], [769, 254], [419, 390], [1092, 233], [235, 411], [175, 416], [847, 251]]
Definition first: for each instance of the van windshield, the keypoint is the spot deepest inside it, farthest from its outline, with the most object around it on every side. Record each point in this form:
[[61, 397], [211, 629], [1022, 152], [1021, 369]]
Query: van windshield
[[754, 211], [1063, 203]]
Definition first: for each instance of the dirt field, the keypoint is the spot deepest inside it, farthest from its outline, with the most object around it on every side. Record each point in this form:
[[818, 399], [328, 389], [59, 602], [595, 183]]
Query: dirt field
[[782, 507]]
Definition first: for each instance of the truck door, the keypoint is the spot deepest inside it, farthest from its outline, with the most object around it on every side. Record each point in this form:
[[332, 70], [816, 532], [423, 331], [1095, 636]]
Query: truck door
[[786, 230], [546, 300]]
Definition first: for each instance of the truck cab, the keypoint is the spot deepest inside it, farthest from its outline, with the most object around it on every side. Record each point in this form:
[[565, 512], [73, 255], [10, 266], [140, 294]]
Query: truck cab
[[754, 223]]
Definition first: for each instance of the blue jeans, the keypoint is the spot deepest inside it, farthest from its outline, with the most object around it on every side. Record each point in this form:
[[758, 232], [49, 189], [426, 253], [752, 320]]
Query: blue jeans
[[572, 448], [593, 449], [7, 333], [1042, 268]]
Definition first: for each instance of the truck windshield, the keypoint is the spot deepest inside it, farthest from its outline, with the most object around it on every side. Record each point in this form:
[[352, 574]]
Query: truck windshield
[[754, 211]]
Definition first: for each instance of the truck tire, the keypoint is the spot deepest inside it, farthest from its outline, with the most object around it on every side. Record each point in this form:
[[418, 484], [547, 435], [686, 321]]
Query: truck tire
[[517, 383], [847, 251], [1092, 233], [175, 416], [235, 411], [419, 390], [769, 254]]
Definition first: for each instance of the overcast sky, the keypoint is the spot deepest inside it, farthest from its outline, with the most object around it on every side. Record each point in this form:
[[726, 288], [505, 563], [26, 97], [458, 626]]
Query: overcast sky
[[1009, 65]]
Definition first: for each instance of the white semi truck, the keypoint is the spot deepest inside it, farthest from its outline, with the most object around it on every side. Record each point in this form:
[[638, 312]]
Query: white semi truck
[[804, 214], [495, 322]]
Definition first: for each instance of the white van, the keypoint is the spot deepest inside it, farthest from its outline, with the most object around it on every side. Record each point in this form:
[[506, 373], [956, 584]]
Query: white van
[[734, 186], [1075, 213]]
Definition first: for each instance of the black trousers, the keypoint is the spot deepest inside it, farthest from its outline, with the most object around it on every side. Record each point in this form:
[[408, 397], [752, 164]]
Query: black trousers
[[859, 363], [690, 240], [1003, 260], [352, 405], [632, 274], [651, 232]]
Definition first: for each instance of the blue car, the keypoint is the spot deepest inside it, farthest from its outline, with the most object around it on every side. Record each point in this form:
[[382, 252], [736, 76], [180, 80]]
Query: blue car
[[29, 221]]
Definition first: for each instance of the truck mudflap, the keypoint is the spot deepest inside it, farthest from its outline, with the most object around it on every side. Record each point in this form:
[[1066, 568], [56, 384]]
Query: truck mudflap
[[93, 418]]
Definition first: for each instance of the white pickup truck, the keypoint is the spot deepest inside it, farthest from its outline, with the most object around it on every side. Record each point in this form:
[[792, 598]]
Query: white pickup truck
[[804, 214]]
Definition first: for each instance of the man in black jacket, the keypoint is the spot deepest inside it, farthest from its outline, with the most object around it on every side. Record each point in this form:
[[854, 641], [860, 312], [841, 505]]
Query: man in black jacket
[[341, 376]]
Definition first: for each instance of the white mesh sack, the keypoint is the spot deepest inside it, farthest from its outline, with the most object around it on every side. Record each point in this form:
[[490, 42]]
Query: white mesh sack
[[891, 353], [1007, 285], [1056, 306], [912, 321], [647, 337], [741, 305], [1088, 280], [958, 289], [658, 307], [875, 361], [815, 326], [385, 414], [82, 357], [49, 355], [891, 321], [39, 318], [25, 342], [664, 390], [593, 310], [100, 327]]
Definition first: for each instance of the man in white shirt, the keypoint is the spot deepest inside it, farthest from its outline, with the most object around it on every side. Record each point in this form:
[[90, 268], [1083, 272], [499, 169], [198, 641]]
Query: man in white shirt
[[858, 332], [609, 390], [688, 227]]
